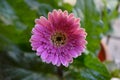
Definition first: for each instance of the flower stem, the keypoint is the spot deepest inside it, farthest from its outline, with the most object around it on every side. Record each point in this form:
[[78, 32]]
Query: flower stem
[[60, 73]]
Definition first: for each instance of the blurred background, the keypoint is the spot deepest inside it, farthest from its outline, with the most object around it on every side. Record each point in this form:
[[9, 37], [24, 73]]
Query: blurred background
[[100, 61]]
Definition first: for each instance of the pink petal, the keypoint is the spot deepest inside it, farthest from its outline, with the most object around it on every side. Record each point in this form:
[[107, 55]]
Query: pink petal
[[55, 59], [40, 49], [63, 61], [44, 55]]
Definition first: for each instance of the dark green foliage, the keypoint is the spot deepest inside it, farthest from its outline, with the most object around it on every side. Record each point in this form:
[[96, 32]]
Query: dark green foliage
[[88, 67], [19, 62]]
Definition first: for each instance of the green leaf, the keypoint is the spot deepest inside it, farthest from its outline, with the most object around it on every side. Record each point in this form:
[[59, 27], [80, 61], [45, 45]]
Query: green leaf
[[93, 63], [41, 8], [19, 65], [88, 67], [8, 16]]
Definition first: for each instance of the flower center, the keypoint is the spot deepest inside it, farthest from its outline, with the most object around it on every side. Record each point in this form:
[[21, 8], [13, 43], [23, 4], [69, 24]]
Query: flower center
[[58, 39]]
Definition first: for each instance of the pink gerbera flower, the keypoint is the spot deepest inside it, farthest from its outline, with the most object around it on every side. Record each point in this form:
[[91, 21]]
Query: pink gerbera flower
[[59, 38]]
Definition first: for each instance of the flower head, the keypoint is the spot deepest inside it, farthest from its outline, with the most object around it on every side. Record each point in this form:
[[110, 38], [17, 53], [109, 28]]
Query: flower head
[[59, 38]]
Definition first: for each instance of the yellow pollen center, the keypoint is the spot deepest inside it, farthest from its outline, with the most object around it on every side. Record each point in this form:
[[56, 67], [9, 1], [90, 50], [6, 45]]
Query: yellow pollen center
[[58, 39]]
